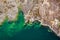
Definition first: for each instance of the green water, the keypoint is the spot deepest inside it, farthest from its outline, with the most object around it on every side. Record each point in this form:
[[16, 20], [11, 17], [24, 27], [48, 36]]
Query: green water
[[18, 30]]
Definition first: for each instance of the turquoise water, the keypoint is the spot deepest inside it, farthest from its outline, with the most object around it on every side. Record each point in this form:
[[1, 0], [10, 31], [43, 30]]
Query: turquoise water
[[18, 30]]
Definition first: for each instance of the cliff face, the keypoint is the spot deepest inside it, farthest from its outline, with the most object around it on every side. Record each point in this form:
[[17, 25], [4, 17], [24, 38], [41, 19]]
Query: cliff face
[[45, 11]]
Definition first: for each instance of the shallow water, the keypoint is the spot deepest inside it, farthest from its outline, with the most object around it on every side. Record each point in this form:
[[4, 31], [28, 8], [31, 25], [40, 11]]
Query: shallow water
[[16, 30]]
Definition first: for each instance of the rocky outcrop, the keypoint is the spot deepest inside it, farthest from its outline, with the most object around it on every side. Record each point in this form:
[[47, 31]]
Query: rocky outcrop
[[45, 11], [8, 8]]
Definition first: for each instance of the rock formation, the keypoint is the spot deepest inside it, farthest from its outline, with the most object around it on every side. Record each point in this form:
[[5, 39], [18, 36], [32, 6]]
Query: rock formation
[[45, 11]]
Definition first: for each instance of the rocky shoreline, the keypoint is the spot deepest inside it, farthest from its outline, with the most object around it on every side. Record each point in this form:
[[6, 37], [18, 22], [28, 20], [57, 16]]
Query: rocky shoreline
[[45, 11]]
